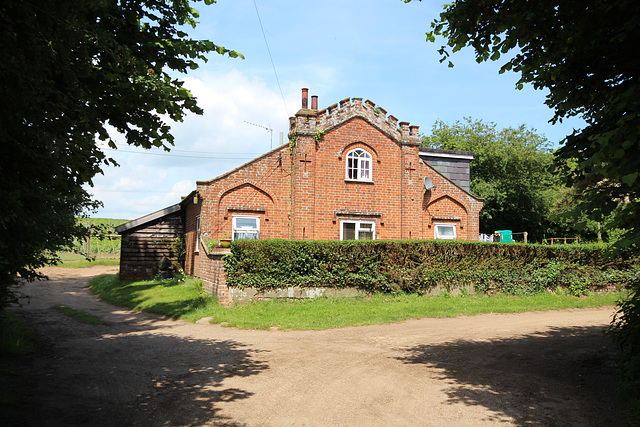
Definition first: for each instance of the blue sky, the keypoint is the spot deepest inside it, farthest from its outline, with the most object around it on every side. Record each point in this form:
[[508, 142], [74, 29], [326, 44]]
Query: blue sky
[[374, 49]]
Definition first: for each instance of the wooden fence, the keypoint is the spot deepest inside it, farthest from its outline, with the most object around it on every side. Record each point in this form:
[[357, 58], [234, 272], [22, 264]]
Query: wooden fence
[[101, 246], [559, 240]]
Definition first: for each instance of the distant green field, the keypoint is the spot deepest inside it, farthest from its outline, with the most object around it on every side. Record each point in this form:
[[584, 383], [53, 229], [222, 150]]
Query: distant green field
[[72, 259], [101, 249], [103, 221]]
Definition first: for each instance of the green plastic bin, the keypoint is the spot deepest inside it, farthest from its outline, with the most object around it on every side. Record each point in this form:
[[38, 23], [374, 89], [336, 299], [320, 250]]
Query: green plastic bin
[[505, 236]]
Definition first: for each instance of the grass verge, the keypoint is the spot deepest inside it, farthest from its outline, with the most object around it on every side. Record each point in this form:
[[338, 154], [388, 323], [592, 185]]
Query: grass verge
[[326, 313], [84, 263], [184, 299], [181, 298], [16, 338], [81, 316]]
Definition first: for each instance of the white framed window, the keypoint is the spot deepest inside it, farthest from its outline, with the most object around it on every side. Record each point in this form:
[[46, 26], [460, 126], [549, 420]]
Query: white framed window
[[445, 231], [197, 249], [353, 229], [358, 165], [246, 227]]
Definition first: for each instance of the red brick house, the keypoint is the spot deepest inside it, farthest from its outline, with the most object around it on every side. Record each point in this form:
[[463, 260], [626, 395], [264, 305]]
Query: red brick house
[[350, 171]]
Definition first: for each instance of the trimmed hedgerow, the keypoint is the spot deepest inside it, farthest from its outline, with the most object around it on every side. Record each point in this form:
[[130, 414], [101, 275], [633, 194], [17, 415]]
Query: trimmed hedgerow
[[625, 332], [420, 266]]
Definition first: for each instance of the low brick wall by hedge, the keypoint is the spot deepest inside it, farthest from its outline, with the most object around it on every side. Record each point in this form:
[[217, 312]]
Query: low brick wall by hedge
[[421, 266]]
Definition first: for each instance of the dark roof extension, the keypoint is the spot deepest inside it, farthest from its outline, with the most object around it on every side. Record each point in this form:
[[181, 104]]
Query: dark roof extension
[[147, 218]]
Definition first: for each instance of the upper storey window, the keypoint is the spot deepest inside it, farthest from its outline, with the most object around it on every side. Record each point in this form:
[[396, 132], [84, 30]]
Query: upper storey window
[[359, 165]]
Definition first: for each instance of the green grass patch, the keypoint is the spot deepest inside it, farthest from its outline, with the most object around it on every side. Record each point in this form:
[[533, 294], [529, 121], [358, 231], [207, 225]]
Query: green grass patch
[[327, 313], [16, 338], [184, 299], [81, 316], [84, 263], [78, 260], [181, 298]]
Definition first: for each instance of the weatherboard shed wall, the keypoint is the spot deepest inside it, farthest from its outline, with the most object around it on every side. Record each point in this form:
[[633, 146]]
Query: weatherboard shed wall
[[146, 240]]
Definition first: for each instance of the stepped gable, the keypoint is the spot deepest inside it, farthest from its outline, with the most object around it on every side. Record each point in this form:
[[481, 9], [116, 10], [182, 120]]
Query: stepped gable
[[308, 121]]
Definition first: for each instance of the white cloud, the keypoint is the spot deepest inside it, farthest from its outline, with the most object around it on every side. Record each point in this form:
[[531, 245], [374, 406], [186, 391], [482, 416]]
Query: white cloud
[[379, 54], [205, 146]]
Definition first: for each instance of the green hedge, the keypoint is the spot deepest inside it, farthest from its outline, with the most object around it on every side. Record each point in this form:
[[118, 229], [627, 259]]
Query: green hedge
[[419, 266], [625, 332]]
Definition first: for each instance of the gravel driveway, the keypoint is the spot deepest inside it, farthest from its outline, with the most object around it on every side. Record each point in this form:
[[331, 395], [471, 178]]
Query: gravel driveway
[[550, 368]]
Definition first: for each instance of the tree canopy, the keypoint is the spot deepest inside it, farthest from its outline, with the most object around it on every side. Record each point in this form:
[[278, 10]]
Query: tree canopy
[[581, 52], [512, 171], [72, 70]]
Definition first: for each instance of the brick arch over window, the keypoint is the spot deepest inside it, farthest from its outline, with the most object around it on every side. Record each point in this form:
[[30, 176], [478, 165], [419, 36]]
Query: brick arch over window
[[443, 205], [246, 196], [354, 145], [244, 199], [445, 209]]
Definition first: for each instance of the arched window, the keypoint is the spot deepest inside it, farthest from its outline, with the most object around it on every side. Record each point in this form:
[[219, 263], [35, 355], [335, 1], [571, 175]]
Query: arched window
[[359, 165]]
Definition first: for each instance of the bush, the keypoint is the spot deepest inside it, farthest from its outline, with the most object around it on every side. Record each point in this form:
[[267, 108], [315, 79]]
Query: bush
[[420, 266], [625, 332]]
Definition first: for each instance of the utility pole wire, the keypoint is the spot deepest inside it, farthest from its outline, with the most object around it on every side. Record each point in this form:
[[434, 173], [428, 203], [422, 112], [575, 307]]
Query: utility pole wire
[[271, 58]]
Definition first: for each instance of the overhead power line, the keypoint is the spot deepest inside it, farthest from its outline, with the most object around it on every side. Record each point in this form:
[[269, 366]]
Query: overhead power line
[[222, 156], [271, 58], [131, 191]]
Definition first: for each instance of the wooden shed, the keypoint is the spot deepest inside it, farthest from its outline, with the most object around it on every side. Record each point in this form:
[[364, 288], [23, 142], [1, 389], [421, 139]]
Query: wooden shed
[[147, 239]]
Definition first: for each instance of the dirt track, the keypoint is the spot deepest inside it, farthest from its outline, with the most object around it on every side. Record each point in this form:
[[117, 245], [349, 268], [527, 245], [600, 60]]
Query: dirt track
[[544, 368]]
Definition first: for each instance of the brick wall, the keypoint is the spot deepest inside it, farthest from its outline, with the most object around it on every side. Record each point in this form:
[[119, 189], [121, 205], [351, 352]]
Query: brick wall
[[300, 191], [214, 279], [448, 203], [395, 197], [259, 188]]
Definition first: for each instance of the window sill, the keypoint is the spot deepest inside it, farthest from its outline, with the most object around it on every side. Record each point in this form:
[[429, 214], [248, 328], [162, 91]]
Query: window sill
[[358, 181]]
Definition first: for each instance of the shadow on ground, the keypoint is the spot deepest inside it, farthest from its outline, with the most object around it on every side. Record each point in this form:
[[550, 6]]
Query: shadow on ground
[[140, 369], [144, 379], [563, 376]]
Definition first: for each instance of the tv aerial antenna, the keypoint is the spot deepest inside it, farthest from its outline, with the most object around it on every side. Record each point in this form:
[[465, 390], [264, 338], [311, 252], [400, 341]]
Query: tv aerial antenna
[[268, 129]]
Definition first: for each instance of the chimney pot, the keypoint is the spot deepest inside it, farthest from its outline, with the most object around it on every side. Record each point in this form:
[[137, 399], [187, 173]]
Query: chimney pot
[[314, 102], [305, 98]]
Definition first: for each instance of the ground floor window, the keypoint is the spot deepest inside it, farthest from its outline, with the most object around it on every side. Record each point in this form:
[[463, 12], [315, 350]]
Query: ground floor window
[[351, 229], [445, 231], [246, 227]]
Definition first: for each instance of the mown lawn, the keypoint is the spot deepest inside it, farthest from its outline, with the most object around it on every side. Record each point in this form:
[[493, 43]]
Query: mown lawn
[[184, 299], [74, 260]]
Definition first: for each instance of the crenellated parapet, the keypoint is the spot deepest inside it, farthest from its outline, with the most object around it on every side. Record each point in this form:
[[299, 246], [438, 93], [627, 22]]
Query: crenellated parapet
[[309, 121]]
